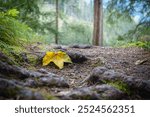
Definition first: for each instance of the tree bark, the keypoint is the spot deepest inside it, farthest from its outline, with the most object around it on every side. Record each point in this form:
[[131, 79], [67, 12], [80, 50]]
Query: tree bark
[[98, 23], [57, 12]]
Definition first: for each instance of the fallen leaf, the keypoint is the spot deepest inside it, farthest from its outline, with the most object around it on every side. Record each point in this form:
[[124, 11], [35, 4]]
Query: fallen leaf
[[58, 58]]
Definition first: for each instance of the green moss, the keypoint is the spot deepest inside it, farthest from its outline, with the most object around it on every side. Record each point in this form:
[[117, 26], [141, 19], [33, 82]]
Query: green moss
[[13, 55], [45, 93], [49, 97], [119, 85], [32, 59], [11, 92]]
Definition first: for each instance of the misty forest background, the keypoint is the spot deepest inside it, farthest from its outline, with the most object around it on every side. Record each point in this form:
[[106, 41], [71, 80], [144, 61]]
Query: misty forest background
[[125, 22]]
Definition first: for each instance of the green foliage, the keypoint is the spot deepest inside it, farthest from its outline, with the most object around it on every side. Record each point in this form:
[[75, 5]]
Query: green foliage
[[13, 32], [119, 85], [29, 11], [140, 44], [127, 43], [12, 12]]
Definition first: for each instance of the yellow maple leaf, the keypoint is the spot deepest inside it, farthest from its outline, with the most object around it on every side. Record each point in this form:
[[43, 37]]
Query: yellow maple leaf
[[58, 58]]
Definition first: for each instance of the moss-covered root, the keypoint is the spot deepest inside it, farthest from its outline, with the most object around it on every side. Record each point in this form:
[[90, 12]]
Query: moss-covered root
[[10, 90]]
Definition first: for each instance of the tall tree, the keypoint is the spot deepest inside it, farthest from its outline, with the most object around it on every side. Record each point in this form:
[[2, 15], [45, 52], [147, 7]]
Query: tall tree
[[98, 23], [57, 13]]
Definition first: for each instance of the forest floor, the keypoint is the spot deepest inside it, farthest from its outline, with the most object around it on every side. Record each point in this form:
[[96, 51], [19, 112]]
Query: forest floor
[[130, 61], [133, 62]]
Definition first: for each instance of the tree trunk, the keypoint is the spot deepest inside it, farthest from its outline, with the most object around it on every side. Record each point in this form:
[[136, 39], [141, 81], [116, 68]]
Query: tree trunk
[[98, 23], [57, 12]]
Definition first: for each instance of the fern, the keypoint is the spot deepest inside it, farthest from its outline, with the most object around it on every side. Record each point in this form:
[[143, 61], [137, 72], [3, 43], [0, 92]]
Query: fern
[[12, 32]]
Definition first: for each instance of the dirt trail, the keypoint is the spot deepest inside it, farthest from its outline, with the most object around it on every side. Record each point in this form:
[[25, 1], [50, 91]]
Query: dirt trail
[[120, 59]]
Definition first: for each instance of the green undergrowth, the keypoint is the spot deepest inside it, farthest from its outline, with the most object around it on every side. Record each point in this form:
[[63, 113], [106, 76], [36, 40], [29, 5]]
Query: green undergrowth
[[141, 44], [14, 35], [12, 31]]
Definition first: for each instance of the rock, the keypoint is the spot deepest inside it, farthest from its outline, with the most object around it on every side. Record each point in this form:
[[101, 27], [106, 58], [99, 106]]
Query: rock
[[44, 71], [94, 92], [130, 85], [29, 95], [95, 75], [112, 75], [138, 87], [74, 46], [53, 82], [101, 75], [31, 83], [80, 94], [60, 47], [34, 79], [10, 90], [144, 89], [81, 46], [57, 47], [109, 92], [77, 57], [17, 72], [50, 80], [143, 70], [130, 81]]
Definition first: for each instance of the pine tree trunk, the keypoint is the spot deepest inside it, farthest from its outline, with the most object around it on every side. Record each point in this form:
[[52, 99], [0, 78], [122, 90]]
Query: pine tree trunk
[[57, 12], [98, 23]]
